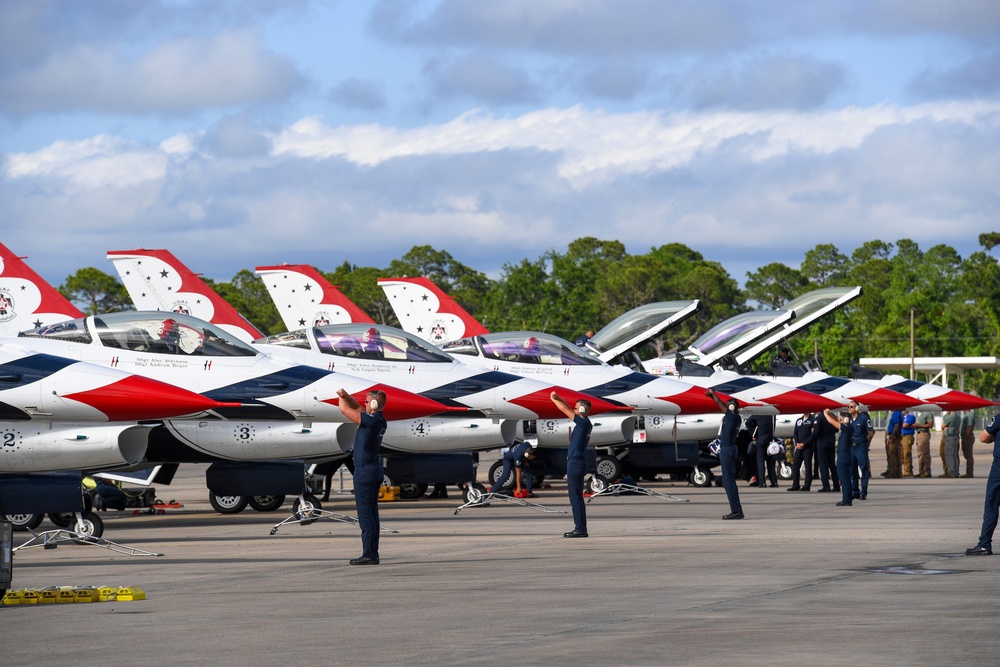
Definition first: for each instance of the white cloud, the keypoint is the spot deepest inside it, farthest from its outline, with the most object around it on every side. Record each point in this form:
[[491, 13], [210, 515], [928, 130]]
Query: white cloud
[[174, 76], [744, 189], [599, 145]]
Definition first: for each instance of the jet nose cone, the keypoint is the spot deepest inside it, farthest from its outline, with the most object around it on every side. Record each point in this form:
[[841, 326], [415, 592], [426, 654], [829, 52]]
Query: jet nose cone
[[959, 400], [693, 401], [885, 399], [402, 404], [799, 401], [136, 398], [540, 402]]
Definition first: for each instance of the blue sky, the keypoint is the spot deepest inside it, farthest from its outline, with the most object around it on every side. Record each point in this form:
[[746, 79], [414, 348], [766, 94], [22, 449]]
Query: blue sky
[[239, 133]]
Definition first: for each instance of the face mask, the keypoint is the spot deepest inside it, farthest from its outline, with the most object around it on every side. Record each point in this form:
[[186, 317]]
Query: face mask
[[373, 404]]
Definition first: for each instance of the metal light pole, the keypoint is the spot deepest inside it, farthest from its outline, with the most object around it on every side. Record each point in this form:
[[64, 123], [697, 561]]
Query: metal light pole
[[912, 369]]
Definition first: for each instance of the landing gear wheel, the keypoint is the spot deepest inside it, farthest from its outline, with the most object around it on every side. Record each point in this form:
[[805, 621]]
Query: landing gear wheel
[[305, 508], [596, 484], [608, 467], [412, 490], [496, 470], [784, 470], [227, 504], [25, 521], [62, 519], [266, 503], [473, 493], [700, 478], [89, 524]]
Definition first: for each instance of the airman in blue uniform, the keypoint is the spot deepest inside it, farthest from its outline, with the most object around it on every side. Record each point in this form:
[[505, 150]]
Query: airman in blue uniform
[[844, 460], [991, 510], [728, 452], [368, 473], [576, 460], [516, 458]]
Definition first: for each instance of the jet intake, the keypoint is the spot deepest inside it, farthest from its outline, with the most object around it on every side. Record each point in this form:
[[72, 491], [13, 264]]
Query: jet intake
[[608, 430], [35, 447], [439, 434], [262, 441]]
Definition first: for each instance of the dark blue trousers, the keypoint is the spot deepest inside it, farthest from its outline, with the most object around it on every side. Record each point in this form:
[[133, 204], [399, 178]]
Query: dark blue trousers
[[859, 462], [727, 456], [366, 485], [827, 460], [992, 507], [508, 467], [804, 455], [575, 470], [844, 463]]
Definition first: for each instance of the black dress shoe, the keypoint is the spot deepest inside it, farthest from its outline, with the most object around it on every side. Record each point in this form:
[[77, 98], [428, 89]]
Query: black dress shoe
[[792, 488], [979, 551], [364, 560], [843, 504], [733, 515], [863, 496], [576, 533], [774, 485]]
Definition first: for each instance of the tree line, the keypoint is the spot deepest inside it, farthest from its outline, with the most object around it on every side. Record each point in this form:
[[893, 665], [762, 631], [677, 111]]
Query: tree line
[[955, 300]]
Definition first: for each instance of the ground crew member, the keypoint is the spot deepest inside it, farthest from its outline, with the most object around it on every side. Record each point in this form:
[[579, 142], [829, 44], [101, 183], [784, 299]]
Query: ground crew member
[[805, 437], [517, 457], [843, 424], [992, 507], [968, 440], [368, 473], [951, 427], [906, 442], [861, 436], [826, 452], [728, 452], [923, 425], [893, 440], [576, 460]]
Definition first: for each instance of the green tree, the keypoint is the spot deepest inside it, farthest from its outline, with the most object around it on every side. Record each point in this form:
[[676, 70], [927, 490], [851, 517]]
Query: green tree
[[248, 295], [94, 291], [774, 284], [824, 265], [524, 299], [360, 285], [464, 284]]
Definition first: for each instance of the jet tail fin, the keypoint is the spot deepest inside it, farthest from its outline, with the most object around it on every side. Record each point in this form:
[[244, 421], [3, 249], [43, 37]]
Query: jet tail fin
[[304, 297], [156, 280], [27, 301], [424, 310]]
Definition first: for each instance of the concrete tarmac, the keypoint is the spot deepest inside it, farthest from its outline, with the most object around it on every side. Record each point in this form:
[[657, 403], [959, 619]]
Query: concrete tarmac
[[799, 581]]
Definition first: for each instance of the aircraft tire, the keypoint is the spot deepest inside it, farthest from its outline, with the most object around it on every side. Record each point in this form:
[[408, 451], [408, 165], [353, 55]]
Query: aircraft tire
[[609, 468], [25, 521], [412, 490], [596, 484], [306, 510], [266, 503], [473, 492], [700, 478], [62, 519], [784, 470], [227, 504], [90, 525]]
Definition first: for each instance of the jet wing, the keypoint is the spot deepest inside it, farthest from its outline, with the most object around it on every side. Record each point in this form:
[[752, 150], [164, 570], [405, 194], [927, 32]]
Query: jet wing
[[808, 308], [640, 325]]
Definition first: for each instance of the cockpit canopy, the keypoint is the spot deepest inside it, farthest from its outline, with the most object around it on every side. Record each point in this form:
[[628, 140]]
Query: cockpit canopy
[[526, 347], [364, 341], [635, 322], [155, 332]]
